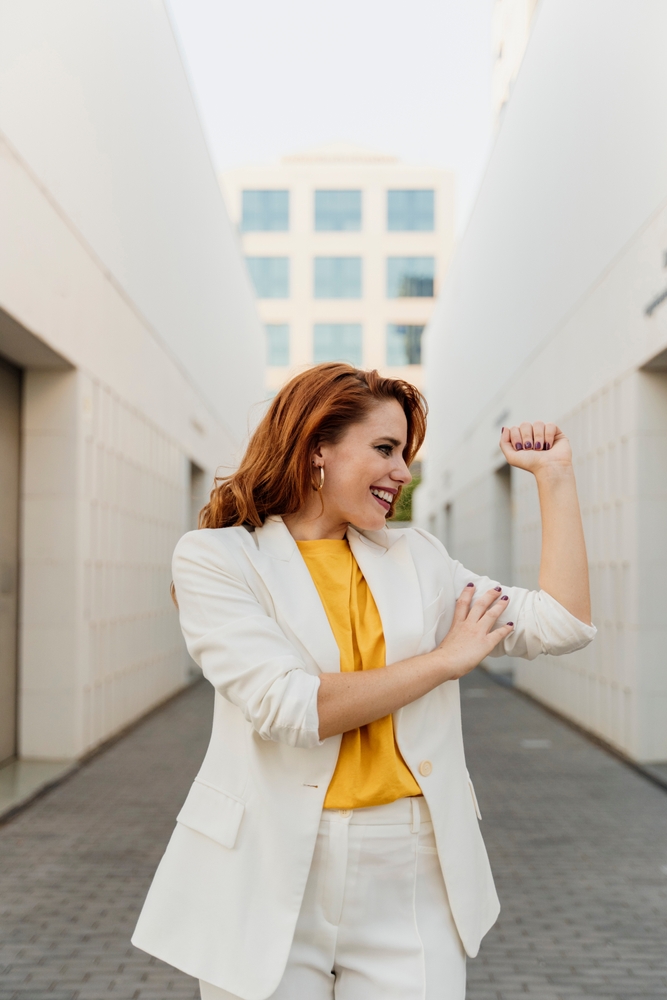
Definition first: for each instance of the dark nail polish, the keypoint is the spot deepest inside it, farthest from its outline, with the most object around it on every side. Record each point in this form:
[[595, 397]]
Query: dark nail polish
[[547, 446], [504, 598], [498, 589], [518, 446], [502, 430], [510, 623], [538, 446], [470, 584], [528, 444]]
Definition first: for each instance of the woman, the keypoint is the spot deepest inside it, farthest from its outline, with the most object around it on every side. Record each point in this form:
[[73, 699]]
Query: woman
[[330, 846]]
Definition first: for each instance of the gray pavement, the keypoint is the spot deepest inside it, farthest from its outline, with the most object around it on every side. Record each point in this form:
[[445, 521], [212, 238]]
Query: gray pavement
[[577, 840], [578, 846], [75, 866]]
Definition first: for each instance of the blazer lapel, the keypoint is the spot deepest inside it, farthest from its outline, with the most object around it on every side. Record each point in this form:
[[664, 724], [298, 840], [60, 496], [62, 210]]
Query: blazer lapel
[[280, 564], [390, 572]]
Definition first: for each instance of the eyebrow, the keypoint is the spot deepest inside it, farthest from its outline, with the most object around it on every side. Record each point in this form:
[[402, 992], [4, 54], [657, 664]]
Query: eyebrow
[[392, 441]]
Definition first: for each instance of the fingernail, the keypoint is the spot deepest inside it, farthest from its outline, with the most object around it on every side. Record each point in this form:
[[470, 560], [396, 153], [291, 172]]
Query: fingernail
[[518, 446], [502, 430], [470, 584], [504, 598], [510, 623], [547, 446], [498, 588], [538, 446], [528, 444]]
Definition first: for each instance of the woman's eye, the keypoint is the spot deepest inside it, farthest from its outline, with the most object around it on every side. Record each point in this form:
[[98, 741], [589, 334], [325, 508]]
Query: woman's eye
[[385, 449]]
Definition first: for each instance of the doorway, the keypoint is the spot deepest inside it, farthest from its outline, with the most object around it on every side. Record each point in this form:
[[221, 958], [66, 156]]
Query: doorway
[[10, 436]]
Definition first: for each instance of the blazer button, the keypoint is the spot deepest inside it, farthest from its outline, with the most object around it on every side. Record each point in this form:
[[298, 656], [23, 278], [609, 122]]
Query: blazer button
[[425, 768]]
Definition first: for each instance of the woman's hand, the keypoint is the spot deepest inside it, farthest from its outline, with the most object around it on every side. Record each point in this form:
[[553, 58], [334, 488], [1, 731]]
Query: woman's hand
[[470, 637], [535, 447]]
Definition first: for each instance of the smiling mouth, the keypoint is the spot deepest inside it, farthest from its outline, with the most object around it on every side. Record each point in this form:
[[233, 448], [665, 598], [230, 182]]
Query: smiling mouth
[[383, 497]]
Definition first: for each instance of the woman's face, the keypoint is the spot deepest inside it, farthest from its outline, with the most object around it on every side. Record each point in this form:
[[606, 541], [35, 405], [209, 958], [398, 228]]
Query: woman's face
[[364, 469]]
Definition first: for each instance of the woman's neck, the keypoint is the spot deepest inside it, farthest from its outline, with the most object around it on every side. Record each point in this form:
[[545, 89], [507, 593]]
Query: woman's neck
[[313, 524]]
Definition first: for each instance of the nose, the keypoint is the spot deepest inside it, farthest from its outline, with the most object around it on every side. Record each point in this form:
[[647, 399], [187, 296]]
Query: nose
[[401, 473]]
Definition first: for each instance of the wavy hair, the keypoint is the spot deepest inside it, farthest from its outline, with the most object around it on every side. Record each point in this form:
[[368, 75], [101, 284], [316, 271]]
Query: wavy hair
[[317, 405]]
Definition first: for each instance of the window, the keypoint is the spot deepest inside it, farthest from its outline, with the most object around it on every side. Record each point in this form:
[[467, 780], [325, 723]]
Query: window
[[338, 277], [265, 211], [410, 277], [270, 276], [277, 344], [410, 211], [337, 342], [404, 344], [337, 210]]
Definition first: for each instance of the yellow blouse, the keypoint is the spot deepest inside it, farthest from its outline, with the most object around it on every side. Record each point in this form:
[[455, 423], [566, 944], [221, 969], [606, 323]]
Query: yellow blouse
[[370, 770]]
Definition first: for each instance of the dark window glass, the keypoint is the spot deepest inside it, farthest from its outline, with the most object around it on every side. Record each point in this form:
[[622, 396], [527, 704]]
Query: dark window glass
[[410, 277], [337, 210], [337, 342], [338, 277], [410, 211], [277, 344], [270, 276], [404, 344], [265, 211]]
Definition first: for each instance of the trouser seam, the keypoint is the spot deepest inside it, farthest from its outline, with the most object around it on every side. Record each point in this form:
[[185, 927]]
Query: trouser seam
[[414, 913]]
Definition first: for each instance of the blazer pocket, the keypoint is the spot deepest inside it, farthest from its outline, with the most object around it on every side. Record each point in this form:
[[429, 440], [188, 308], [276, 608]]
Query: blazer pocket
[[432, 613], [214, 813], [429, 640], [474, 797]]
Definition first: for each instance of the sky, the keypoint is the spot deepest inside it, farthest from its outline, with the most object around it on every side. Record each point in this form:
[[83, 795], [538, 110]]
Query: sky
[[408, 78]]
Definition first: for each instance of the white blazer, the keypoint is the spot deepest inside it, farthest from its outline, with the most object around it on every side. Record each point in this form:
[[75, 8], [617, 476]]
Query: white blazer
[[224, 901]]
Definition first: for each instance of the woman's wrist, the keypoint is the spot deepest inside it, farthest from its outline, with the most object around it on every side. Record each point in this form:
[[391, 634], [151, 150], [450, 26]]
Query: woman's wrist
[[554, 473], [440, 665]]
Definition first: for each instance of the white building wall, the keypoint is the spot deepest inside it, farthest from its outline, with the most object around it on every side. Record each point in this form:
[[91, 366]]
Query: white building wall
[[124, 299], [544, 316], [95, 101], [511, 26]]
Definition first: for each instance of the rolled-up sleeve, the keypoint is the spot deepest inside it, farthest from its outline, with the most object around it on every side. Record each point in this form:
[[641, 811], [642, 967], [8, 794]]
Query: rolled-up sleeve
[[240, 648], [541, 624]]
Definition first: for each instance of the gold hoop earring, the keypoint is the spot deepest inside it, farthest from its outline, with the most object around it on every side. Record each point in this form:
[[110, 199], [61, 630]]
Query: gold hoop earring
[[319, 488]]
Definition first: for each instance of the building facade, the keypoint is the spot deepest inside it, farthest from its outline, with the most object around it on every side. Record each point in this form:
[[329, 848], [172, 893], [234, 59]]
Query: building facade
[[130, 358], [555, 308], [346, 249]]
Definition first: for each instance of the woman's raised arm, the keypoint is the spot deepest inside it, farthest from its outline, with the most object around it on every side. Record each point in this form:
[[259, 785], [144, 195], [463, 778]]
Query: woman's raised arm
[[544, 450]]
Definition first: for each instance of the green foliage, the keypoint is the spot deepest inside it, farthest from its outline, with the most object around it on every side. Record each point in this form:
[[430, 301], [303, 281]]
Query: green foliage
[[403, 510]]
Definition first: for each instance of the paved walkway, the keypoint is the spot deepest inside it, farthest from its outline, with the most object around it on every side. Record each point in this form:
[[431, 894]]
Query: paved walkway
[[578, 843]]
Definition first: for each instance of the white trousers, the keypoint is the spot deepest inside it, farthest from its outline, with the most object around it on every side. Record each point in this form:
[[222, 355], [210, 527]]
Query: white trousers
[[375, 922]]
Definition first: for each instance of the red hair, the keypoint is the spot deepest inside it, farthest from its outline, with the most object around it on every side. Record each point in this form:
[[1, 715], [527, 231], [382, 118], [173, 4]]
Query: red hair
[[275, 475]]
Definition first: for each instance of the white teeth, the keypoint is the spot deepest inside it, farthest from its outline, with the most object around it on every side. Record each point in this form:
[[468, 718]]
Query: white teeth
[[383, 495]]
